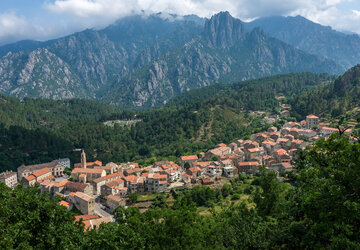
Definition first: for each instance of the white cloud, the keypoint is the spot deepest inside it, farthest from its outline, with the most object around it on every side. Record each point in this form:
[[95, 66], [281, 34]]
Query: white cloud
[[67, 16], [14, 28]]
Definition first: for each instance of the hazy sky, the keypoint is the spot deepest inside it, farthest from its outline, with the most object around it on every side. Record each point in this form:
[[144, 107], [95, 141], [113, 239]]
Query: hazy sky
[[46, 19]]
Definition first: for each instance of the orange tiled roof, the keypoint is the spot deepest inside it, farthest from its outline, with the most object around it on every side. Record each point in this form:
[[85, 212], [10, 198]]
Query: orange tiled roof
[[189, 158], [86, 217], [30, 178], [87, 171], [248, 163], [60, 184], [312, 117], [64, 203], [41, 172]]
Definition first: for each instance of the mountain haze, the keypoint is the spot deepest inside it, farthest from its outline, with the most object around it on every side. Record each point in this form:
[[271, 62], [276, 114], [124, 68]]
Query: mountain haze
[[312, 38]]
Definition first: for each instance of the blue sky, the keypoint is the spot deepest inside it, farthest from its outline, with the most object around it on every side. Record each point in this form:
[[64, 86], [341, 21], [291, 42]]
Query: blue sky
[[47, 19]]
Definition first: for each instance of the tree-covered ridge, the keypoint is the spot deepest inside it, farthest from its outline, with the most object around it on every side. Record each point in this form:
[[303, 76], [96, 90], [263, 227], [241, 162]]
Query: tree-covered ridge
[[258, 94], [332, 100], [195, 122], [167, 132], [34, 113], [317, 208]]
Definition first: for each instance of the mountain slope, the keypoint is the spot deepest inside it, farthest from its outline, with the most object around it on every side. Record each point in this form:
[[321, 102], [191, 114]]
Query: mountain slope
[[312, 38], [332, 100], [96, 59], [225, 52], [39, 73], [142, 62]]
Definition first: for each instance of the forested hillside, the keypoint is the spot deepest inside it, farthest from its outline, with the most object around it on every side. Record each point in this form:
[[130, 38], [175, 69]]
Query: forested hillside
[[338, 98], [195, 122], [317, 208]]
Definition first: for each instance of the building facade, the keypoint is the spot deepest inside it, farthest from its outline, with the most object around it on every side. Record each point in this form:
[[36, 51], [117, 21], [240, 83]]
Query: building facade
[[9, 178]]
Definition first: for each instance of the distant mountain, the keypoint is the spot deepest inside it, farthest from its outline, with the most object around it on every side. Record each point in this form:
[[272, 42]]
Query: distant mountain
[[144, 61], [312, 38], [224, 52]]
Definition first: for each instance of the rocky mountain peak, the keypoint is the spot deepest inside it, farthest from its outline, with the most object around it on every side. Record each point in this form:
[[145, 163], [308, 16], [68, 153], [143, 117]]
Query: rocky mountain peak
[[223, 30]]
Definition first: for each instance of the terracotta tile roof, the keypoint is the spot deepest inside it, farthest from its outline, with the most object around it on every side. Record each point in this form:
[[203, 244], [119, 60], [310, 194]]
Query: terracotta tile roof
[[72, 194], [248, 163], [38, 166], [114, 198], [30, 178], [202, 164], [41, 172], [86, 217], [64, 203], [114, 183], [189, 158], [162, 182], [194, 169], [48, 183], [131, 178], [114, 175], [83, 196], [221, 145], [312, 117], [78, 186], [60, 184], [46, 178], [253, 150], [87, 171]]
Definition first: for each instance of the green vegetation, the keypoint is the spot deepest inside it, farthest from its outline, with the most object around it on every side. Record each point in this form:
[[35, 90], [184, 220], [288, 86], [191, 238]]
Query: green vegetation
[[318, 208], [338, 99]]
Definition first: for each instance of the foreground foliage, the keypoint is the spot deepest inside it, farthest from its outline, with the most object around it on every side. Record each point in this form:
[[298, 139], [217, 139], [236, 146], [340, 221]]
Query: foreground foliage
[[319, 209]]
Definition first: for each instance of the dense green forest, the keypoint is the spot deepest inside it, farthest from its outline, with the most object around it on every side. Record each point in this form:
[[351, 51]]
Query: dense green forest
[[332, 100], [38, 130], [258, 94], [317, 208]]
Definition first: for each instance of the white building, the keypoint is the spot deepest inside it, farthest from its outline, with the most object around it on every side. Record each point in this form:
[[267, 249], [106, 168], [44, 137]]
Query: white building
[[9, 178]]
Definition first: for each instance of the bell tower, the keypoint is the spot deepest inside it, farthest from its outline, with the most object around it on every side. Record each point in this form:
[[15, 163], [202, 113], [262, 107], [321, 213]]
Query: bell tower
[[83, 159]]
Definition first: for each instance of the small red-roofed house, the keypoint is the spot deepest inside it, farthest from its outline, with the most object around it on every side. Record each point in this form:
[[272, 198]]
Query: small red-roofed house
[[188, 159], [37, 176], [311, 121], [194, 171], [207, 181], [66, 204]]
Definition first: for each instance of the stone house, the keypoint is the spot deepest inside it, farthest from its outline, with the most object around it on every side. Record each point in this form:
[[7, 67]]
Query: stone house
[[73, 187], [113, 202], [87, 174], [254, 154], [311, 121], [188, 159], [115, 187], [9, 178], [156, 183], [37, 176], [84, 203], [248, 167], [97, 183], [56, 169]]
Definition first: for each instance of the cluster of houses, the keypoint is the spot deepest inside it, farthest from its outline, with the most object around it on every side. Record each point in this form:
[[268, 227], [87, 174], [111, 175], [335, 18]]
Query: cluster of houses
[[112, 182]]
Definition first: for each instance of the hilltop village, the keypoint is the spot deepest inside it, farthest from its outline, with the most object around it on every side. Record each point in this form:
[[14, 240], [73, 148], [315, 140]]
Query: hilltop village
[[96, 189]]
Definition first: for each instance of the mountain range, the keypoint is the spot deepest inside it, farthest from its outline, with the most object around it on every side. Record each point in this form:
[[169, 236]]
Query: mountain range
[[142, 62]]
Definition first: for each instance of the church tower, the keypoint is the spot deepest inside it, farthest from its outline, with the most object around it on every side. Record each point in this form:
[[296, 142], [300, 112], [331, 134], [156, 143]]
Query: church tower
[[83, 159]]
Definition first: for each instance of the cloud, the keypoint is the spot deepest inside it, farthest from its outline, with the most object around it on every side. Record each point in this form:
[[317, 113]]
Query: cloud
[[15, 28], [60, 17]]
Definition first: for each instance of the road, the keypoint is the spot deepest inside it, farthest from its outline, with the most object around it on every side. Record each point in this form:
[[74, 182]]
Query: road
[[100, 211]]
